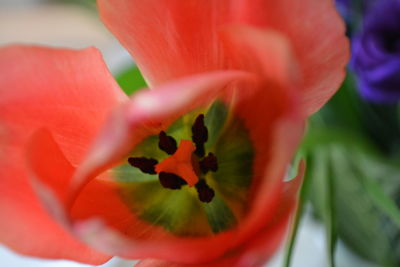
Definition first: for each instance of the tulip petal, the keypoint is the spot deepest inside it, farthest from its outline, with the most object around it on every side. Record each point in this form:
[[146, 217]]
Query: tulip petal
[[142, 115], [69, 92], [318, 41], [274, 148], [55, 170], [265, 52], [264, 244], [147, 114], [161, 34], [110, 226], [258, 250], [150, 112]]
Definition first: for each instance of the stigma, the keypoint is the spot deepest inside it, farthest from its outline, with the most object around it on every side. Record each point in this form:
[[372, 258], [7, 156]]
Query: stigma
[[186, 164], [180, 163]]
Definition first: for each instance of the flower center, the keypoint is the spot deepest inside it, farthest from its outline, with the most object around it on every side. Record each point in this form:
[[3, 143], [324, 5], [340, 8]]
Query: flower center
[[186, 164], [193, 179]]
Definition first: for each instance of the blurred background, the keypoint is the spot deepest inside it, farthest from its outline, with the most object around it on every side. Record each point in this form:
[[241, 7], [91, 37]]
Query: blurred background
[[349, 213]]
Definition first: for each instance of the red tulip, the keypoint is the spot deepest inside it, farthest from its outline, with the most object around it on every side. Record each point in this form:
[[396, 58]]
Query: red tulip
[[190, 172]]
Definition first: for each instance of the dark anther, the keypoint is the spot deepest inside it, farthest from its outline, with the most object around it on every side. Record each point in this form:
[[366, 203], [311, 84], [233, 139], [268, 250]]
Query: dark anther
[[206, 193], [146, 165], [199, 135], [209, 163], [167, 143], [170, 180]]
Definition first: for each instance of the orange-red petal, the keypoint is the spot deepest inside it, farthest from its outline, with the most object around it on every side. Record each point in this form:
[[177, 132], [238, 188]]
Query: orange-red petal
[[317, 34], [99, 202], [274, 135], [69, 92], [148, 113], [256, 251], [161, 34], [168, 39]]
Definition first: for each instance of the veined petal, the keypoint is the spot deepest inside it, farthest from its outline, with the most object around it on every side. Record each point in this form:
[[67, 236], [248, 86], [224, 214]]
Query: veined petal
[[69, 92], [265, 52], [161, 34], [269, 54], [322, 53]]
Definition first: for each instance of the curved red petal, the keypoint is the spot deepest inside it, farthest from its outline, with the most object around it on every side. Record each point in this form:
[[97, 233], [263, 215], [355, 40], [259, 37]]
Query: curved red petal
[[278, 131], [265, 52], [161, 34], [70, 93], [30, 217], [256, 251], [146, 115], [264, 243], [185, 35], [151, 111], [322, 54]]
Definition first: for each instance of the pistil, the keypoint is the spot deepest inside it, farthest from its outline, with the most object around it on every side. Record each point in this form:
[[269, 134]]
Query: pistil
[[180, 163]]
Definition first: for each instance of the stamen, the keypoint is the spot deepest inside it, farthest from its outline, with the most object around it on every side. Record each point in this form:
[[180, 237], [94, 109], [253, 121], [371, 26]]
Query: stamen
[[170, 180], [205, 193], [199, 135], [167, 143], [146, 165], [209, 163]]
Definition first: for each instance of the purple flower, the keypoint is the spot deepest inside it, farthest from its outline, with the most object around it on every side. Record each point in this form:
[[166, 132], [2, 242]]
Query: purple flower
[[376, 53], [343, 7]]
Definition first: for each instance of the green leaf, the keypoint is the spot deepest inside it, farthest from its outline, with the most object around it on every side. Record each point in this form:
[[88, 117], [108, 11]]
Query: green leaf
[[131, 80], [297, 218], [348, 110], [343, 110], [323, 180], [371, 168], [382, 200], [349, 160], [360, 223]]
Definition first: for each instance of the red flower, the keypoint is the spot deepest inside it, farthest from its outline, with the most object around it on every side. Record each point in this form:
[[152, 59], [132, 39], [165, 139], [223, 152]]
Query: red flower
[[190, 172]]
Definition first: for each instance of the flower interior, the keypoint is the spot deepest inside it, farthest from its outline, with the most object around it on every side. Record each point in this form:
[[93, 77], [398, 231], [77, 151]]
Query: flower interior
[[192, 179]]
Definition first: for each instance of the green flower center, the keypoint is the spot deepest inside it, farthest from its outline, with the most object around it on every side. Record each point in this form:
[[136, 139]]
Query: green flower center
[[199, 187], [187, 164]]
